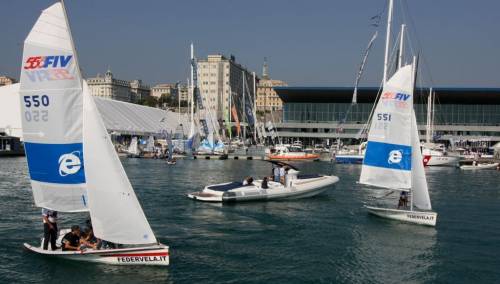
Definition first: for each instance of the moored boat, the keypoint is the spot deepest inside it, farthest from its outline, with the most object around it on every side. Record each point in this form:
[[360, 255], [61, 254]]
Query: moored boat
[[479, 166], [291, 153]]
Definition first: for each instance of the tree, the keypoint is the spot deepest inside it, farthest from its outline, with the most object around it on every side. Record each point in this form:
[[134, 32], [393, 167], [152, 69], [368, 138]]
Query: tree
[[149, 101]]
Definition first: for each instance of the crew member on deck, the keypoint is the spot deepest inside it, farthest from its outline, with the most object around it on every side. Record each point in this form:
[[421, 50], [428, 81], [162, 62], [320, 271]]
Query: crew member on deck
[[49, 228], [71, 241], [403, 200]]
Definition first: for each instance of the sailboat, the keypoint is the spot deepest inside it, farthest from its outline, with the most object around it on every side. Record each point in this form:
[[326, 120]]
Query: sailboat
[[72, 163], [133, 149], [393, 159], [170, 158]]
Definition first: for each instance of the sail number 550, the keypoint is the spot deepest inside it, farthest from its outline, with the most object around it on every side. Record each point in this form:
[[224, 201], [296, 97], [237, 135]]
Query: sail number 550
[[36, 101]]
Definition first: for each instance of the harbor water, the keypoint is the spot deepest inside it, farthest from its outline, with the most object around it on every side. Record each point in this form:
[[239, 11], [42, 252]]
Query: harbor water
[[324, 239]]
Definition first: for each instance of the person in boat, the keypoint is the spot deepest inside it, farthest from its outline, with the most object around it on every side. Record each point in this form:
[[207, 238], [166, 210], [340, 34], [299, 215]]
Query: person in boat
[[88, 240], [71, 241], [287, 177], [248, 181], [276, 173], [49, 228], [403, 200], [264, 183], [282, 175]]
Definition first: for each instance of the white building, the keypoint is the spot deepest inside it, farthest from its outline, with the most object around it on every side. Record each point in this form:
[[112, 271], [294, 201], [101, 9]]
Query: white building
[[109, 87], [217, 75], [118, 117], [167, 89], [5, 80]]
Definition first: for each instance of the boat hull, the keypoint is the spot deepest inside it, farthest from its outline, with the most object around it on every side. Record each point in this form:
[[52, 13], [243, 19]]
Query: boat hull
[[479, 167], [349, 159], [432, 160], [415, 217], [300, 188], [157, 255], [292, 157]]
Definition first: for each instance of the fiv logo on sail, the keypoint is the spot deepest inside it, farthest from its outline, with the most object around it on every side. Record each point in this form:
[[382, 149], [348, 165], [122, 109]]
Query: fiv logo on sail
[[48, 68]]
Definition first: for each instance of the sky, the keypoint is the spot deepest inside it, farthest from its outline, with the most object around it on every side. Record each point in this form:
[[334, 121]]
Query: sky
[[307, 43]]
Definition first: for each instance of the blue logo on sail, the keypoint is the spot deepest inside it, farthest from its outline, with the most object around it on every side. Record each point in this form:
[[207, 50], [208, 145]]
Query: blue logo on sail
[[386, 155], [55, 163]]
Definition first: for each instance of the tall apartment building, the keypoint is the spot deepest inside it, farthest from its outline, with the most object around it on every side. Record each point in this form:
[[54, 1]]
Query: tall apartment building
[[267, 98], [116, 89], [4, 80], [217, 77]]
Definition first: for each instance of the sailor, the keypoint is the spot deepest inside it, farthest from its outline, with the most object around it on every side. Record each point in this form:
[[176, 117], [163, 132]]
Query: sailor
[[71, 241], [287, 177], [403, 200], [282, 175], [264, 184], [276, 173], [49, 228]]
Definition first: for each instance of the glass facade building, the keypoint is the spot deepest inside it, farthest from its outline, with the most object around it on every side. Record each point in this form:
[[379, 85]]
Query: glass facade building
[[444, 114], [459, 113]]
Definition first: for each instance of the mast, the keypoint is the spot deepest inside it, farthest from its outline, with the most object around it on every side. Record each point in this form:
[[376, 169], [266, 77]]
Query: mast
[[179, 103], [387, 41], [401, 46], [229, 112], [72, 42], [243, 108], [254, 111], [191, 90], [429, 117], [415, 69]]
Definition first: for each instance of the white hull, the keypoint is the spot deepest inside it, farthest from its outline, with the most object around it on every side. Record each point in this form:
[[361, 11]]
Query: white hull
[[148, 255], [415, 217], [300, 188], [479, 166], [432, 160]]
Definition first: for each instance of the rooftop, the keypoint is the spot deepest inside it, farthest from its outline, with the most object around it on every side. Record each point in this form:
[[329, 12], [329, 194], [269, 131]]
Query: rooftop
[[444, 95]]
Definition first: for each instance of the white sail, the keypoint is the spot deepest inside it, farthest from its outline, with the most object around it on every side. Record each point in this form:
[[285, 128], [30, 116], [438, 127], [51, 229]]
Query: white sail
[[420, 192], [132, 148], [150, 145], [387, 161], [51, 106], [116, 213]]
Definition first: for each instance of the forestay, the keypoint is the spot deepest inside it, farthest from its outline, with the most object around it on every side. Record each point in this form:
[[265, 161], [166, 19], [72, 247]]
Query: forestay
[[51, 106], [388, 157], [116, 213]]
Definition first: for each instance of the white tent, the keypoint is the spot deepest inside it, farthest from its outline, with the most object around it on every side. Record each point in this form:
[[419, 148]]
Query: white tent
[[119, 117]]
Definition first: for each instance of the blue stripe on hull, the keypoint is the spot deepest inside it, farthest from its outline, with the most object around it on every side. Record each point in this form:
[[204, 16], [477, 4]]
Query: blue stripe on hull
[[55, 163], [389, 156]]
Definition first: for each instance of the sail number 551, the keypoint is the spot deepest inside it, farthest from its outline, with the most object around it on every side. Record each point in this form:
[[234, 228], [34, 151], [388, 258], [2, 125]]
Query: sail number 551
[[34, 102], [384, 116]]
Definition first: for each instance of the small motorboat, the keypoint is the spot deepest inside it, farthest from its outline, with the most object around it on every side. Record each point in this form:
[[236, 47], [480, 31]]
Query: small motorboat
[[289, 153], [479, 166], [297, 186]]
